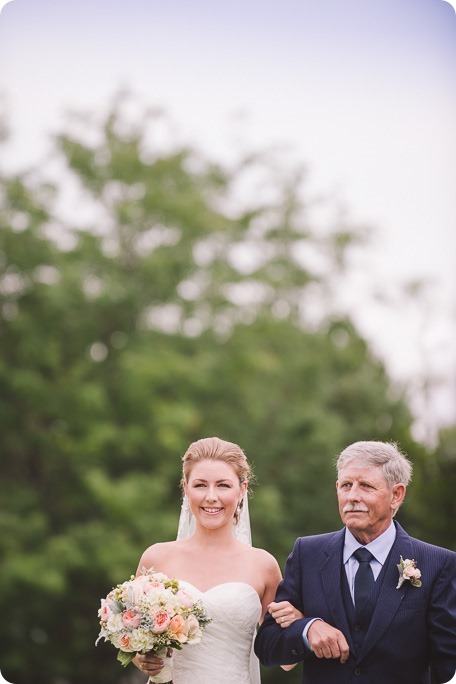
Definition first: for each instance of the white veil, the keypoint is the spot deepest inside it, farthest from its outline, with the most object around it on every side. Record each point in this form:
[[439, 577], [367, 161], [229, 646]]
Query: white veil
[[241, 530]]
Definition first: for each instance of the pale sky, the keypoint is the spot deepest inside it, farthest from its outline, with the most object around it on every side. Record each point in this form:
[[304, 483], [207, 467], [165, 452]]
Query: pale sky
[[362, 92]]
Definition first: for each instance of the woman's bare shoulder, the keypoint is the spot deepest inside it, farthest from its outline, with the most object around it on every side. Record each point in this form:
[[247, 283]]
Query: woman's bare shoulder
[[267, 572], [264, 560], [156, 555], [264, 555]]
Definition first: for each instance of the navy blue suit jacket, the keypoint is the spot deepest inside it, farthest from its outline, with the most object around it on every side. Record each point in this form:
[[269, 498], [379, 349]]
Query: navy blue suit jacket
[[411, 638]]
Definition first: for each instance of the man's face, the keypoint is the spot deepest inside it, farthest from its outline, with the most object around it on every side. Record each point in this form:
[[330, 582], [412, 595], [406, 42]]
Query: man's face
[[366, 502]]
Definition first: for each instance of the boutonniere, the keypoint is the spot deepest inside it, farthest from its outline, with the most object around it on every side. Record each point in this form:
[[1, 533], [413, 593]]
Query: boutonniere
[[408, 571]]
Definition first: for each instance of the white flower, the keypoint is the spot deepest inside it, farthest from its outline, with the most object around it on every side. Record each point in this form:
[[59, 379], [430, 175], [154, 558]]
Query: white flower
[[140, 640], [114, 623], [408, 571]]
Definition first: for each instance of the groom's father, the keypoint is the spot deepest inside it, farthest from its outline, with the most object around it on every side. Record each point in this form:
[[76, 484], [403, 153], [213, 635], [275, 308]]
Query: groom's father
[[380, 606]]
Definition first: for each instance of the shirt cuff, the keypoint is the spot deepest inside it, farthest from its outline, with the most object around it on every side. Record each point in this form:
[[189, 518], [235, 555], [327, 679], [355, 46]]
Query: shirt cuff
[[305, 630]]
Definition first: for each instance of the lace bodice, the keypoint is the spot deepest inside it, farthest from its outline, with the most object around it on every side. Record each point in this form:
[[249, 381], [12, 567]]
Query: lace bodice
[[224, 654]]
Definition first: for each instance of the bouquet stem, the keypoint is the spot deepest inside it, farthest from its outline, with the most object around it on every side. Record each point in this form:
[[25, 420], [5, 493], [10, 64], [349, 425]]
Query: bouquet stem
[[166, 675]]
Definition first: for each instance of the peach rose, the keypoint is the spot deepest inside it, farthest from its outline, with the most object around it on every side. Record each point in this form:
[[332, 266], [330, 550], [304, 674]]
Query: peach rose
[[193, 628], [178, 628], [124, 642]]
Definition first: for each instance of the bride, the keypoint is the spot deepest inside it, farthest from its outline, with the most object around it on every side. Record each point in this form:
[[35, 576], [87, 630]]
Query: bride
[[213, 556]]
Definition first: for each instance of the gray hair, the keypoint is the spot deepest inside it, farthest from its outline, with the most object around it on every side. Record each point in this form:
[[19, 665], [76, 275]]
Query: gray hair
[[395, 465]]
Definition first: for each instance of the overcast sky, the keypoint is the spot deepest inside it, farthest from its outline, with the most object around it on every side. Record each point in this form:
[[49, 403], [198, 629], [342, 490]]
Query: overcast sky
[[362, 92]]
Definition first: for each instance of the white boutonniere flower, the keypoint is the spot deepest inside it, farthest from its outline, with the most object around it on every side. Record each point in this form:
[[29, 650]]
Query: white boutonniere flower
[[408, 571]]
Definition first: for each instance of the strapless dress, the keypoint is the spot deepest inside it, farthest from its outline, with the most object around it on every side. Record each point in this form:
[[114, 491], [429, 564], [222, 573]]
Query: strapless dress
[[225, 653]]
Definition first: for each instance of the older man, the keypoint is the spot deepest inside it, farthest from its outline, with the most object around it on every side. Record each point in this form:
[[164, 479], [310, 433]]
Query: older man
[[379, 605]]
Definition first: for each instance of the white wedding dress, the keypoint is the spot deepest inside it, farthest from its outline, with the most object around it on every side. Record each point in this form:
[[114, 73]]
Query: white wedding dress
[[225, 653]]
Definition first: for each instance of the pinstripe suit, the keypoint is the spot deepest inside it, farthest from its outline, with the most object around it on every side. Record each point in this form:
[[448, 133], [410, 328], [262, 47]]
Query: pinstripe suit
[[411, 638]]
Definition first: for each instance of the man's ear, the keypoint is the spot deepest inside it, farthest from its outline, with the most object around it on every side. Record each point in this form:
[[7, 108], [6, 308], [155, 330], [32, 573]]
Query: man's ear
[[398, 495]]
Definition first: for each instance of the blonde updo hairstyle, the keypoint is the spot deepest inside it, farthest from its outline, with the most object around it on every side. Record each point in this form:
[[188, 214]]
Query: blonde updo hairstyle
[[216, 449]]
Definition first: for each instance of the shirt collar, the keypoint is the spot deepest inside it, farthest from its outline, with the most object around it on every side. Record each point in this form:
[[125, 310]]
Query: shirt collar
[[379, 547]]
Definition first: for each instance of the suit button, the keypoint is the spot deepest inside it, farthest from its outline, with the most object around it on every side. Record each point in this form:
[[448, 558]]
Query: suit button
[[294, 652], [357, 671], [357, 628], [356, 646]]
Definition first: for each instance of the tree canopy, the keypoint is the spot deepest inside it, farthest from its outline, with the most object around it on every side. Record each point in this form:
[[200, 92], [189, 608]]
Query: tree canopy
[[196, 300]]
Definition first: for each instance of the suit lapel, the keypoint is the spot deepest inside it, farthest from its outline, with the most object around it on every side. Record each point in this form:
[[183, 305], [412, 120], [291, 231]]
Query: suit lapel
[[389, 598], [331, 579]]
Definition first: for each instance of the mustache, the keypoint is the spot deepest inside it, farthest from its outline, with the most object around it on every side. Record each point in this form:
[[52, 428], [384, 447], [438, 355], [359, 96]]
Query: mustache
[[352, 508]]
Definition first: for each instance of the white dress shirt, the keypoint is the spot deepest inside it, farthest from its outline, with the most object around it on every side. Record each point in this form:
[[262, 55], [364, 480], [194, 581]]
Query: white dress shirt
[[379, 548]]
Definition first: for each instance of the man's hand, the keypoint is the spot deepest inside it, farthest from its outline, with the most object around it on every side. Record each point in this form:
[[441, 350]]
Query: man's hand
[[327, 642]]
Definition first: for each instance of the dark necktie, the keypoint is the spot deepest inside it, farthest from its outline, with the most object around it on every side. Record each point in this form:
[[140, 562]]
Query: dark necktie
[[364, 584]]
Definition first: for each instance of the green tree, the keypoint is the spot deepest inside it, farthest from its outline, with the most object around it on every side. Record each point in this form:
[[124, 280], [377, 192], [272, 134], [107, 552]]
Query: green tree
[[431, 507], [180, 310]]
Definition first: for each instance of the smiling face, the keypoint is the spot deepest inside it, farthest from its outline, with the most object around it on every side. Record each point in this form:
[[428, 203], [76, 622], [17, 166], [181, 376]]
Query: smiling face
[[214, 491], [366, 502]]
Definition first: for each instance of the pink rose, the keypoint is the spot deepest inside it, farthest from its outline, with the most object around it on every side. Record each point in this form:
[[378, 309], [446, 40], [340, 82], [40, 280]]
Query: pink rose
[[145, 584], [185, 598], [411, 573], [104, 611], [137, 589], [131, 619], [161, 622]]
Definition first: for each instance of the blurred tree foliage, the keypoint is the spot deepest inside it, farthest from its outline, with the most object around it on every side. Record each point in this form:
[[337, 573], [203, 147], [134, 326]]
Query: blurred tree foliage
[[183, 310]]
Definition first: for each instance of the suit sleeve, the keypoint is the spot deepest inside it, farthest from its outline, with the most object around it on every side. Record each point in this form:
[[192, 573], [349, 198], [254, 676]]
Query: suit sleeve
[[273, 644], [442, 622]]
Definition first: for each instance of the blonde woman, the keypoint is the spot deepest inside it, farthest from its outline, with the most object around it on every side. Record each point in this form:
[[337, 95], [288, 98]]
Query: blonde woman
[[214, 557]]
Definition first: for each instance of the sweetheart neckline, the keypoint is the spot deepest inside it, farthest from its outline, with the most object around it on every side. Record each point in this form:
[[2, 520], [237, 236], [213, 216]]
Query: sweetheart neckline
[[222, 584]]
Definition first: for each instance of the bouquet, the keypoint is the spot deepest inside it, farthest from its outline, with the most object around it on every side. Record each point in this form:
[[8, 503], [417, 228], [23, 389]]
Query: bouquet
[[151, 612]]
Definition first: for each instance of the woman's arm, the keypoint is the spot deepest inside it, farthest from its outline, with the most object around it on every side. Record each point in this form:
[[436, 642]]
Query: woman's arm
[[284, 613]]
